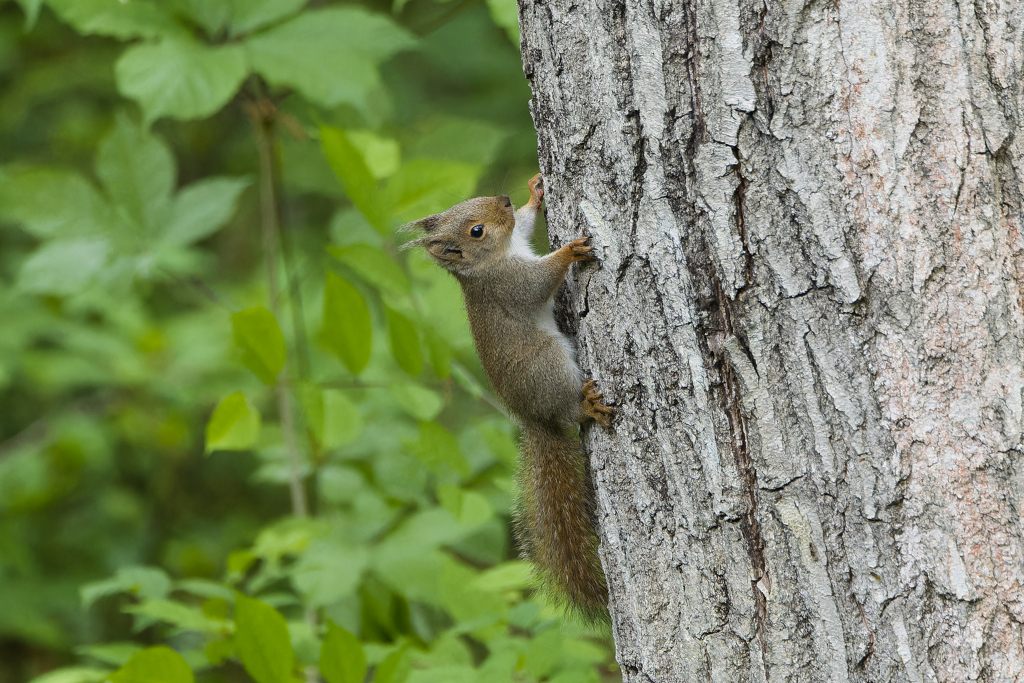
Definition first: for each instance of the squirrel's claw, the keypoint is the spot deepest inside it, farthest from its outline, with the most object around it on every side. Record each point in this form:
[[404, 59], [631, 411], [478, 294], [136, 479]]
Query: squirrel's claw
[[593, 408], [536, 185], [581, 251]]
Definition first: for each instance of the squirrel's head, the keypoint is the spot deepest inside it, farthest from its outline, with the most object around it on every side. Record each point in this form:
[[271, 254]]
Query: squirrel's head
[[468, 235]]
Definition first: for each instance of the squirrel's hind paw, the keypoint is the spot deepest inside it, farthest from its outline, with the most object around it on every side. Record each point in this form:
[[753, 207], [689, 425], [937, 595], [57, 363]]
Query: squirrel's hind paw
[[593, 408]]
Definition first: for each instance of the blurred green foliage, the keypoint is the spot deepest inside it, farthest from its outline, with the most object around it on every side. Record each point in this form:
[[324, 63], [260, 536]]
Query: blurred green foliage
[[242, 436]]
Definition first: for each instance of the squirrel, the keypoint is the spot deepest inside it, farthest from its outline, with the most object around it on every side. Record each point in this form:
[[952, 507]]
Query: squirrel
[[509, 296]]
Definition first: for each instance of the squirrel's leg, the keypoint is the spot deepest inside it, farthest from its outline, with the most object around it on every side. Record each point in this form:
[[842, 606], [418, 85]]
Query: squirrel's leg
[[526, 215], [592, 407], [549, 272]]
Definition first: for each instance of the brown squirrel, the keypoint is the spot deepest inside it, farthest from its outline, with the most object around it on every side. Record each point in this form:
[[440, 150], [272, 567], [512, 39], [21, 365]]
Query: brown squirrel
[[509, 295]]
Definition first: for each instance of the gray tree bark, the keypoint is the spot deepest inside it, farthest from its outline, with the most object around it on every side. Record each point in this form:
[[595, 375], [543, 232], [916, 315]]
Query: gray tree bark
[[809, 313]]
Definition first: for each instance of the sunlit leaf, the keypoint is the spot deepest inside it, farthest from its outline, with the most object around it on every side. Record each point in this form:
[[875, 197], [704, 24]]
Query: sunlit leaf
[[258, 336], [330, 55], [355, 176], [115, 654], [234, 425], [137, 170], [405, 343], [158, 664], [373, 265], [201, 208], [382, 155], [347, 326], [262, 642], [341, 658], [183, 79]]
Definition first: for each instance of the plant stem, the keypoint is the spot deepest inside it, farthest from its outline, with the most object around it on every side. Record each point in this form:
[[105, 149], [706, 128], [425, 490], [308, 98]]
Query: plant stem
[[262, 113]]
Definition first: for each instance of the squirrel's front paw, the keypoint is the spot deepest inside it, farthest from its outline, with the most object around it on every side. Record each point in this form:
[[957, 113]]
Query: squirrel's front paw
[[581, 251], [593, 408], [536, 186]]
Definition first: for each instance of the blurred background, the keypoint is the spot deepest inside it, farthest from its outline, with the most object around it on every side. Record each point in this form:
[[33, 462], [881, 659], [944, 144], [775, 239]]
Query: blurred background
[[218, 374]]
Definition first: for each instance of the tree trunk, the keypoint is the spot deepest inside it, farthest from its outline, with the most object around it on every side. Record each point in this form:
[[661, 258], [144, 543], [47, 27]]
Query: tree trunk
[[809, 314]]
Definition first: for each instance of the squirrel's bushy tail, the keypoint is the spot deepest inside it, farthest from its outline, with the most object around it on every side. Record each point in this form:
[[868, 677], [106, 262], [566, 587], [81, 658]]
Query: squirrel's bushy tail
[[556, 520]]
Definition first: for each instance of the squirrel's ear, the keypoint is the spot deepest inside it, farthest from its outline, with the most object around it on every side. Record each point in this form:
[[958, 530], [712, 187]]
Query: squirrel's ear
[[427, 225]]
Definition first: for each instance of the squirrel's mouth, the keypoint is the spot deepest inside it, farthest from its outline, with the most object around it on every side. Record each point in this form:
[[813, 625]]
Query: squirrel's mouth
[[450, 253]]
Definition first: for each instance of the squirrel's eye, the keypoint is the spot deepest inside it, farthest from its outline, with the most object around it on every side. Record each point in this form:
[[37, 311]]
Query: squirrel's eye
[[477, 231]]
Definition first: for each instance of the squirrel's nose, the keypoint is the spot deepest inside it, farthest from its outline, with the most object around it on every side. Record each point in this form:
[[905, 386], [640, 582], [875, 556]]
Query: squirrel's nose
[[508, 202]]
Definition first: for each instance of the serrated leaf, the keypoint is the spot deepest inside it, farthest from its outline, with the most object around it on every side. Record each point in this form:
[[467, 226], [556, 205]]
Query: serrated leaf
[[63, 267], [184, 79], [158, 664], [253, 14], [360, 186], [373, 265], [137, 170], [234, 425], [262, 641], [259, 337], [121, 20], [342, 659], [347, 327], [201, 208], [27, 196], [330, 55], [405, 343]]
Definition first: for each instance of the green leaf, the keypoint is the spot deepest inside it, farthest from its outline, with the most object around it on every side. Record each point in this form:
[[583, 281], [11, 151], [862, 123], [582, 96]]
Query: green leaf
[[328, 572], [262, 642], [342, 422], [333, 418], [137, 170], [145, 582], [382, 155], [373, 265], [115, 654], [469, 507], [201, 208], [31, 9], [439, 352], [391, 669], [341, 658], [259, 337], [347, 326], [73, 674], [121, 20], [330, 55], [27, 196], [234, 425], [505, 14], [436, 447], [507, 576], [405, 343], [420, 402], [63, 267], [425, 186], [158, 664], [351, 169], [184, 79], [252, 14], [177, 614]]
